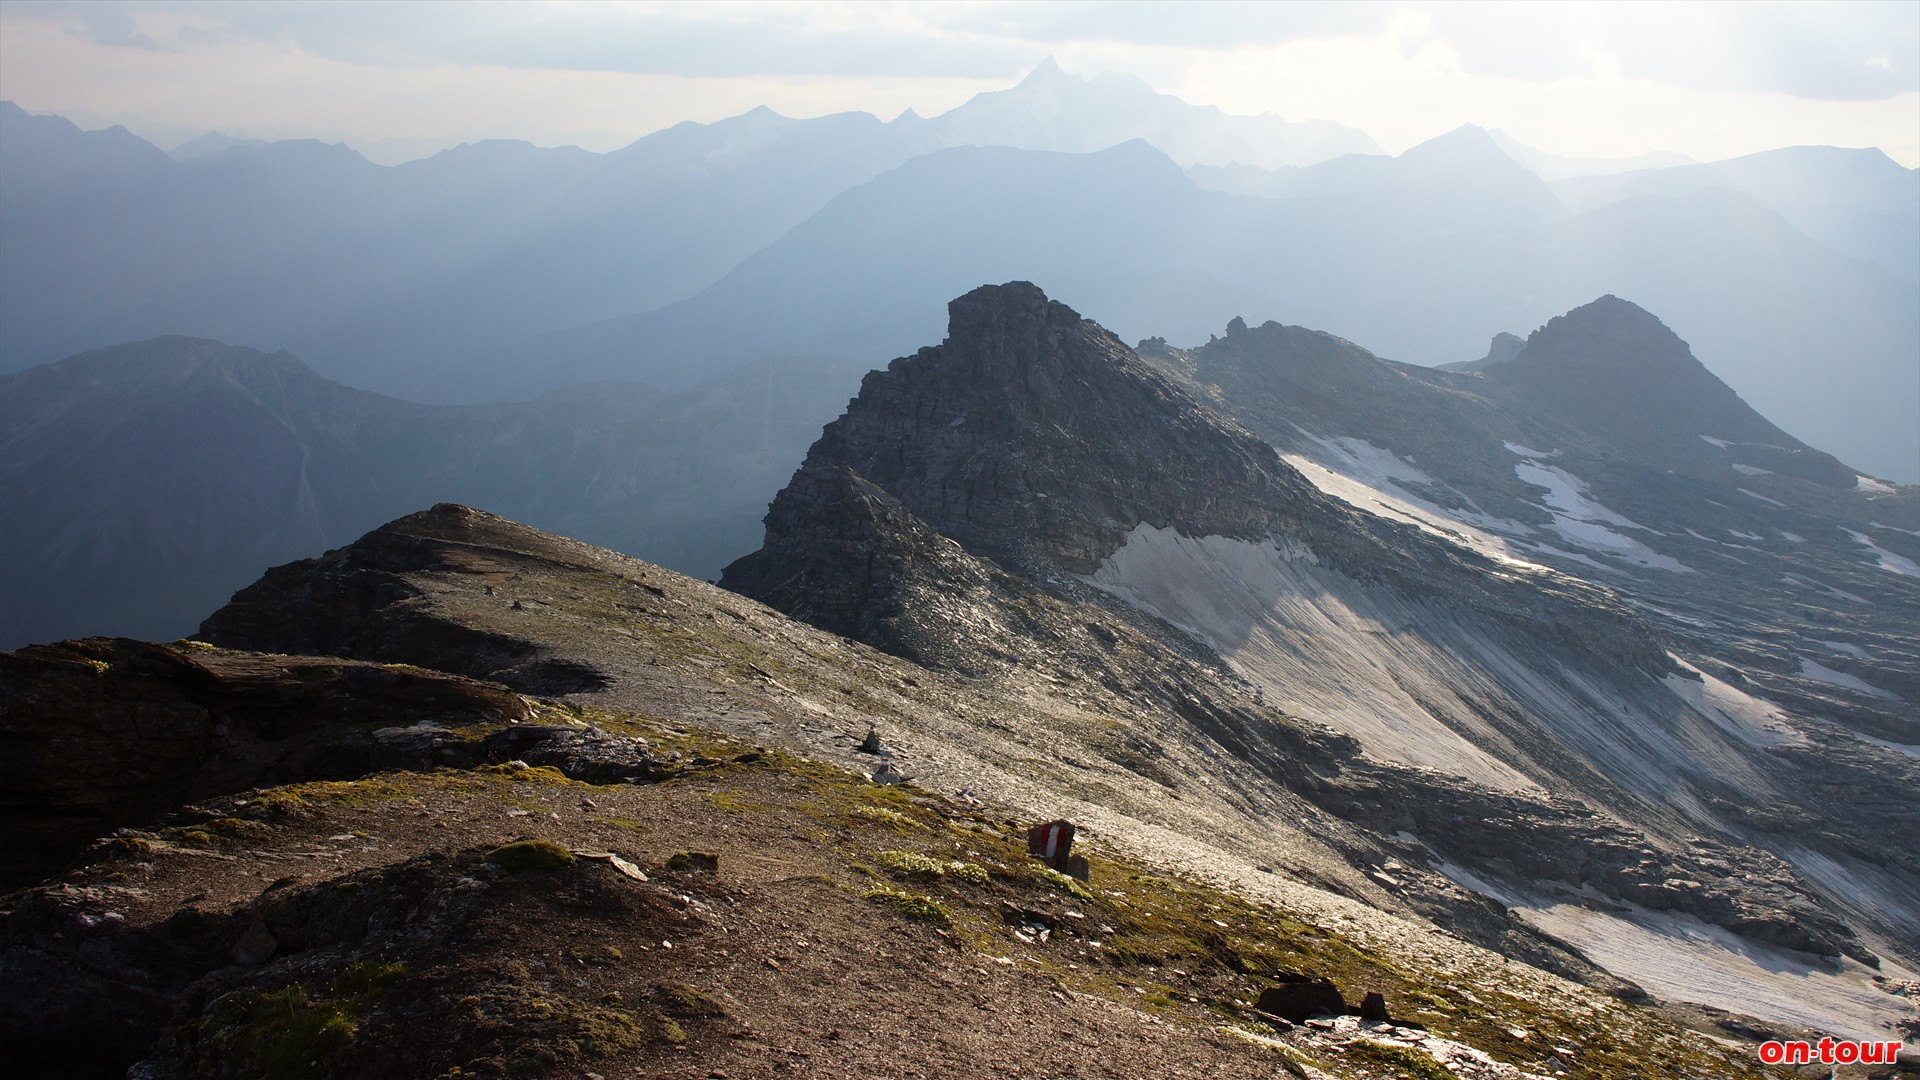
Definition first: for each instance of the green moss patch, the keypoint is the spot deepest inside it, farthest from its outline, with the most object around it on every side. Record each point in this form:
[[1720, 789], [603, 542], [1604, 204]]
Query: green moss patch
[[522, 856], [924, 867], [912, 905]]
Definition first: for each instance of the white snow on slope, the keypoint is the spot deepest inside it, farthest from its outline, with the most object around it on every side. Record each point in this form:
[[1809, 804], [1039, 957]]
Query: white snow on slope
[[1837, 594], [1681, 958], [1751, 470], [1762, 498], [1894, 564], [1581, 520], [1825, 674], [1318, 651], [1908, 749], [1365, 476], [1721, 443], [1516, 448], [1754, 721], [1422, 685], [1871, 486]]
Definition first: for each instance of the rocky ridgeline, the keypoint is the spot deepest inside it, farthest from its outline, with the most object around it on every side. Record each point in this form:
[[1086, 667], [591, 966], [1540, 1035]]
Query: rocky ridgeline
[[947, 517], [1770, 566], [1037, 441]]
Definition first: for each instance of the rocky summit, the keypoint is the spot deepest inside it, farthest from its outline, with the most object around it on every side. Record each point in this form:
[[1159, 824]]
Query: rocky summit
[[1031, 478], [1391, 749]]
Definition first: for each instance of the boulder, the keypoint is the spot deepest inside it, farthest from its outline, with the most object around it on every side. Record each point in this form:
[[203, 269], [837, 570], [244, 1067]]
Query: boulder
[[1297, 1001]]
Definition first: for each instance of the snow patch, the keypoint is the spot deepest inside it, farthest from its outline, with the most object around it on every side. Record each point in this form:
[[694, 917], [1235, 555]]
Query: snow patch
[[1793, 538], [1549, 549], [1845, 648], [1681, 958], [1762, 498], [1373, 479], [1721, 443], [1581, 520], [1754, 721], [1871, 486], [1893, 564], [1432, 688], [1751, 470], [1516, 448], [1898, 748], [1837, 594], [1825, 674], [1318, 644]]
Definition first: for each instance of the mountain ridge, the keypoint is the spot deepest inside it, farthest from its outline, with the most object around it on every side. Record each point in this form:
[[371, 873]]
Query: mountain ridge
[[891, 532]]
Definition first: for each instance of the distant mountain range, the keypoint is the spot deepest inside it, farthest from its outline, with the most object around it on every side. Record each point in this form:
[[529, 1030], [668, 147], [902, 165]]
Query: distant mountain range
[[1416, 256], [500, 271], [144, 483]]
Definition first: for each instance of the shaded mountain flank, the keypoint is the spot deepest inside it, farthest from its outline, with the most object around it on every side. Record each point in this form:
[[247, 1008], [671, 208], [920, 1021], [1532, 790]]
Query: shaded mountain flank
[[1032, 479], [1306, 733], [147, 482], [736, 897]]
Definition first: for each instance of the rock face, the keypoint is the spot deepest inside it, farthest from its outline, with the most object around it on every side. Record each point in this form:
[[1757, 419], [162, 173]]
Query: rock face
[[1613, 371], [1013, 503], [1038, 442], [1299, 1001], [1604, 449], [107, 732]]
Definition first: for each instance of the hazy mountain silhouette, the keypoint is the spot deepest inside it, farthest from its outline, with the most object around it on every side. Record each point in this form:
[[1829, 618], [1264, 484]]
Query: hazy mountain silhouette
[[1053, 110], [1419, 257], [499, 270], [387, 275], [145, 482], [1858, 202]]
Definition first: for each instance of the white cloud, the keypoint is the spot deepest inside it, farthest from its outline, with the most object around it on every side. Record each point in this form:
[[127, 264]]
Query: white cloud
[[1584, 79]]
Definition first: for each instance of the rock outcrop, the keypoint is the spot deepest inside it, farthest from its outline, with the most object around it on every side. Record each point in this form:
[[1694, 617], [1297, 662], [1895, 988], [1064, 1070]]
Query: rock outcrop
[[105, 732], [967, 513]]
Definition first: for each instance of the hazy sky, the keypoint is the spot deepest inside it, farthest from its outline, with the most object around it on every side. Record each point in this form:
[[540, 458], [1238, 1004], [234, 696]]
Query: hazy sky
[[1711, 80]]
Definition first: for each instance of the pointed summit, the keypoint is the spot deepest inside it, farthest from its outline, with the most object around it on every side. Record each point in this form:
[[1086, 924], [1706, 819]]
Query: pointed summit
[[1610, 367], [1047, 73], [1033, 437]]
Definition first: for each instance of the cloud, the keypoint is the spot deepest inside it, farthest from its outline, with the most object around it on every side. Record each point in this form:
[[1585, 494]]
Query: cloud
[[1709, 80], [1835, 52], [1823, 51], [109, 23], [703, 41]]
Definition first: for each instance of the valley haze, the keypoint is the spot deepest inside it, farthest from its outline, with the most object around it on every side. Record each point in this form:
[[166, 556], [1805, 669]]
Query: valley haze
[[480, 606]]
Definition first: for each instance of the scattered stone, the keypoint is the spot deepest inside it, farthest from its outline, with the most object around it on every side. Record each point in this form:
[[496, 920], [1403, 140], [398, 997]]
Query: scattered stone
[[694, 862], [256, 946], [619, 864], [1299, 1001], [589, 754]]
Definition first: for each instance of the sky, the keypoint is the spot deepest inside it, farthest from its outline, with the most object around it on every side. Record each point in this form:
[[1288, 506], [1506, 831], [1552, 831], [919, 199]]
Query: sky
[[1615, 79]]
